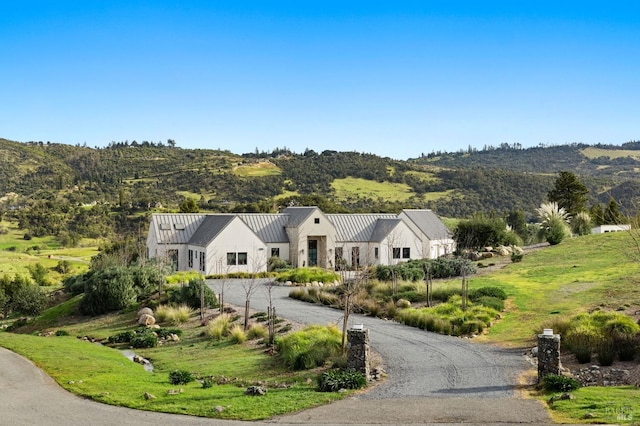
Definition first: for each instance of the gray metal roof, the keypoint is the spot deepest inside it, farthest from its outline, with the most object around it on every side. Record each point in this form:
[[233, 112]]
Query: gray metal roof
[[356, 227], [175, 228], [210, 227], [269, 227], [429, 223], [383, 228], [297, 215]]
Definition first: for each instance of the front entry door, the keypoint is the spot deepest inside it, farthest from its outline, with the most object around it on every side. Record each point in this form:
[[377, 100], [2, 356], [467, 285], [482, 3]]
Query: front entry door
[[313, 252]]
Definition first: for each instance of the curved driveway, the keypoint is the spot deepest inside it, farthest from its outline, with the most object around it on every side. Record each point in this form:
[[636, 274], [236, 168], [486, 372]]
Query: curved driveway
[[421, 366], [432, 379]]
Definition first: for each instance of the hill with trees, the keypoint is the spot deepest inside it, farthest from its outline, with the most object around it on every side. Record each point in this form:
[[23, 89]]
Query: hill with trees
[[78, 191]]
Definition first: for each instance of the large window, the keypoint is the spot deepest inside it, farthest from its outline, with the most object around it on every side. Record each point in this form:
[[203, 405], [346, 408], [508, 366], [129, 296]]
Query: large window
[[232, 258], [190, 259], [396, 252], [355, 257], [242, 258], [275, 252], [203, 267], [406, 253], [173, 258]]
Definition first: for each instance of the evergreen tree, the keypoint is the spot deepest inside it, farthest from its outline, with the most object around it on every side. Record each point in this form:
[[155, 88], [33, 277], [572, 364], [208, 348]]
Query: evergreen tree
[[611, 215], [569, 193]]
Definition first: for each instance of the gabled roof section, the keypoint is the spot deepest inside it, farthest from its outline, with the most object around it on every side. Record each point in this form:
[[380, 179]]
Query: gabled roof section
[[210, 227], [383, 228], [175, 228], [297, 215], [270, 228], [429, 223], [356, 227]]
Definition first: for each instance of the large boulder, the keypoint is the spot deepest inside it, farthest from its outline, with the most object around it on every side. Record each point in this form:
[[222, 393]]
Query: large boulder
[[143, 311], [146, 319]]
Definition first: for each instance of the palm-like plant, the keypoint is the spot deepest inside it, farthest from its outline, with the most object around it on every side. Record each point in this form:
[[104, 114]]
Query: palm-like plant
[[554, 222]]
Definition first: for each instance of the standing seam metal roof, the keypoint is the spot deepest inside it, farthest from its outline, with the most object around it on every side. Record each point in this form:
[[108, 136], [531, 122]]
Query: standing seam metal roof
[[356, 227], [210, 227], [172, 235], [269, 227], [429, 223]]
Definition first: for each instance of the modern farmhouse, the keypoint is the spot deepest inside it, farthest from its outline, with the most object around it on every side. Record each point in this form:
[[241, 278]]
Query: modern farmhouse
[[305, 236]]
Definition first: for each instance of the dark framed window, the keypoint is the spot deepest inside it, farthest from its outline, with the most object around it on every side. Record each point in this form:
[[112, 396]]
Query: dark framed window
[[231, 259], [396, 252], [355, 257], [242, 258], [275, 251], [202, 264], [190, 259], [376, 252], [316, 220], [406, 252]]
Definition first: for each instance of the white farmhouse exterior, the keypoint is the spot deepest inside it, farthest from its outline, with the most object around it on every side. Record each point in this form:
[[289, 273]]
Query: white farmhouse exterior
[[305, 236]]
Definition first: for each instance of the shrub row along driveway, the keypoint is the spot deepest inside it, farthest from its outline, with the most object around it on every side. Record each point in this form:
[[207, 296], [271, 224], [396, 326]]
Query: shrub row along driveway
[[430, 372]]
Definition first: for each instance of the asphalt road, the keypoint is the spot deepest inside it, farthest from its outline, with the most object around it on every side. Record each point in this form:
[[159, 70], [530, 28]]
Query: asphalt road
[[436, 378]]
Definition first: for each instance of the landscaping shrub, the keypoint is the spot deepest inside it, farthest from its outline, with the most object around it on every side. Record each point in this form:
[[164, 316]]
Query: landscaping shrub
[[307, 275], [559, 383], [310, 347], [207, 382], [122, 337], [180, 377], [414, 270], [144, 338], [333, 381], [163, 333], [496, 292], [108, 290], [163, 313], [62, 333], [190, 295]]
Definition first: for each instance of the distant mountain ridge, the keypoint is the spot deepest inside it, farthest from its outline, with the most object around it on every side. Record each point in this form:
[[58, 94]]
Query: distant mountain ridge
[[141, 176]]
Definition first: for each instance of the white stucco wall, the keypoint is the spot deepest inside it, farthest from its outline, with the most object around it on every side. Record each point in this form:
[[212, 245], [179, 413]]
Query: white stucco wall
[[236, 237]]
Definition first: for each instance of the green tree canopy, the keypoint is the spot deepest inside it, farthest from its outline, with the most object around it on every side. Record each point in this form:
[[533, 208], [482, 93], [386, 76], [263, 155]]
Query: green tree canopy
[[569, 193]]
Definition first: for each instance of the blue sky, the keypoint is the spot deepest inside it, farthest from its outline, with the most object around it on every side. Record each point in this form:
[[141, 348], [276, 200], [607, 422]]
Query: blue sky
[[394, 78]]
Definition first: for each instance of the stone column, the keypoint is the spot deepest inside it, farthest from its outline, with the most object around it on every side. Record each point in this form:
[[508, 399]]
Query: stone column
[[358, 351], [548, 354]]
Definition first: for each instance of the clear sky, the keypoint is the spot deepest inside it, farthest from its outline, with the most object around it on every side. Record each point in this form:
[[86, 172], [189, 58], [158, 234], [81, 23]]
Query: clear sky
[[395, 78]]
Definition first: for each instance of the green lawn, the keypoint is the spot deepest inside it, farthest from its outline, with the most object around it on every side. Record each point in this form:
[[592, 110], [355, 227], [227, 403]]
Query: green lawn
[[356, 187], [104, 374], [579, 274]]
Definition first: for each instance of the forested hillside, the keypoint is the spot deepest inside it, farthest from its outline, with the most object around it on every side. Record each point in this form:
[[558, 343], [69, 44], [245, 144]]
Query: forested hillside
[[74, 191]]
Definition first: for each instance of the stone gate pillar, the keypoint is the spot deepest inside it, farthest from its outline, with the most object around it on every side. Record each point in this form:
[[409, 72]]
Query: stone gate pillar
[[548, 354], [358, 350]]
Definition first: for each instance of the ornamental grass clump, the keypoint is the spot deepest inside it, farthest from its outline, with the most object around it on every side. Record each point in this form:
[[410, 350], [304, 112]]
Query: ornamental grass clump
[[310, 347], [218, 327], [237, 334], [256, 331]]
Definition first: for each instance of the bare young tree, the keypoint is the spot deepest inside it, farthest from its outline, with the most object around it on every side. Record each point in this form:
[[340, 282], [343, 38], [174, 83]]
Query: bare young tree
[[353, 281], [257, 263]]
